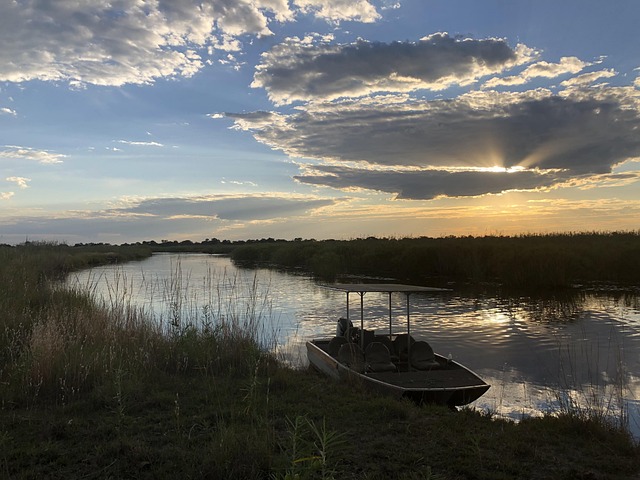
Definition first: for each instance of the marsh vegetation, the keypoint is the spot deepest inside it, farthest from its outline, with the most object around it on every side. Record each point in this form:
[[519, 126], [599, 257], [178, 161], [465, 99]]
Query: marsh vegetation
[[525, 262], [97, 390]]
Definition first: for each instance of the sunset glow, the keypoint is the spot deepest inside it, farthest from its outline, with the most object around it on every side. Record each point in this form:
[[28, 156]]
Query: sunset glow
[[317, 119]]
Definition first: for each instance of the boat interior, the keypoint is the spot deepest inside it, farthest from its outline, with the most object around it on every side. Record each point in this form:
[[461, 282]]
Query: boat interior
[[380, 353], [399, 360]]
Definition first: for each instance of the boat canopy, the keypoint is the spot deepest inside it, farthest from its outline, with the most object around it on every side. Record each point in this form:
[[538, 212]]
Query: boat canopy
[[383, 287], [389, 288]]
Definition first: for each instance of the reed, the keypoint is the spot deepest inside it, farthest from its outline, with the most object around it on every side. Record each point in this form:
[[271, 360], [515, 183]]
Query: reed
[[527, 261], [59, 342], [593, 383]]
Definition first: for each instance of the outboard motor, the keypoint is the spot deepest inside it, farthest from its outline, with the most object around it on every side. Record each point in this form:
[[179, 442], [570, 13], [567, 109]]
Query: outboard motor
[[343, 326]]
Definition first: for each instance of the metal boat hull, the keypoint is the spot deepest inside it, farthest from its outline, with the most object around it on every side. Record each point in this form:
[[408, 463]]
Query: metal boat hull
[[452, 385]]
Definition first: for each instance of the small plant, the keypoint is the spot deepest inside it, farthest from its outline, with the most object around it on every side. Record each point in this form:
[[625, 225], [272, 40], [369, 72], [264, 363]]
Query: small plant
[[312, 447], [176, 412], [5, 438], [119, 398]]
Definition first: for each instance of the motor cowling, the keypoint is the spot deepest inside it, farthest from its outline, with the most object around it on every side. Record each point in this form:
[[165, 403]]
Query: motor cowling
[[343, 326]]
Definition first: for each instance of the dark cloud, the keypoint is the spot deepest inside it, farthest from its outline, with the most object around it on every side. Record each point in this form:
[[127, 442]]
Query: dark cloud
[[575, 133], [300, 70], [426, 185], [227, 207]]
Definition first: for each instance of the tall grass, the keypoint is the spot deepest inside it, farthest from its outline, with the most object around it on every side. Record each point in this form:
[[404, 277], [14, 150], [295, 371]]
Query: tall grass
[[527, 261], [58, 343], [593, 388]]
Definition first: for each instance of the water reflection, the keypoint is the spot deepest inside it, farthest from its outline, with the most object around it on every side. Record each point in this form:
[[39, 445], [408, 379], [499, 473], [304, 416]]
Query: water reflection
[[535, 352]]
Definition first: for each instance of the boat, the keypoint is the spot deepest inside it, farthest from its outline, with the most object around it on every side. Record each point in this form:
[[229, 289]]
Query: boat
[[393, 364]]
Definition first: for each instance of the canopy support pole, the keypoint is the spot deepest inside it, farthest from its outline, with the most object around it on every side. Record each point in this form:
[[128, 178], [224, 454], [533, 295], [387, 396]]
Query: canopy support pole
[[362, 320], [409, 335], [347, 307], [390, 319]]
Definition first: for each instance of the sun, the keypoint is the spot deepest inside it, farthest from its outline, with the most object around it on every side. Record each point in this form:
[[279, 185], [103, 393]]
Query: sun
[[498, 169]]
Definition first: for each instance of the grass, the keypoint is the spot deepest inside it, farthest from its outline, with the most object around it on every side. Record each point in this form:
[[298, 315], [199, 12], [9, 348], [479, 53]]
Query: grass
[[527, 261], [96, 392]]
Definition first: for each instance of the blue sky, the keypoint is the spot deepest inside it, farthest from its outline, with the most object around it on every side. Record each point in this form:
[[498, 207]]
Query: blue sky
[[128, 120]]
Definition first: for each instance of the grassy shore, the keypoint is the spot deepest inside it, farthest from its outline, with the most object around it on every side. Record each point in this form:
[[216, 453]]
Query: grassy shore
[[91, 392], [527, 261]]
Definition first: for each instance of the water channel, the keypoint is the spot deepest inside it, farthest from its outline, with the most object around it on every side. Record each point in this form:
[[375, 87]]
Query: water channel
[[537, 353]]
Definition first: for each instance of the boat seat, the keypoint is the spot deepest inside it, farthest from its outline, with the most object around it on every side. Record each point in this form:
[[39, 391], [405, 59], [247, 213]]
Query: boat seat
[[368, 336], [387, 342], [400, 346], [350, 354], [378, 358], [422, 356], [334, 345]]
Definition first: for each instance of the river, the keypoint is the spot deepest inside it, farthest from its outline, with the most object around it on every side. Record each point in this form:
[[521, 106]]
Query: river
[[539, 354]]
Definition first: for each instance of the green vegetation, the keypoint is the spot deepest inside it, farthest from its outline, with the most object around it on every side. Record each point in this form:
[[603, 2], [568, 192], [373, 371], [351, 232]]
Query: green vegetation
[[91, 392], [530, 261]]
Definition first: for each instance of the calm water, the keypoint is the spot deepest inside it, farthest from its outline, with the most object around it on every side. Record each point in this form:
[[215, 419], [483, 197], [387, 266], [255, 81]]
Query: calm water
[[532, 351]]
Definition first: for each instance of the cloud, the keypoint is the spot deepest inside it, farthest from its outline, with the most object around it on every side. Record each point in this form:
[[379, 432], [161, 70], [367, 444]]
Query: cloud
[[256, 120], [22, 182], [567, 65], [135, 219], [311, 69], [7, 111], [6, 195], [238, 182], [588, 78], [552, 70], [396, 143], [141, 144], [340, 10], [134, 42], [428, 184], [26, 153], [226, 207]]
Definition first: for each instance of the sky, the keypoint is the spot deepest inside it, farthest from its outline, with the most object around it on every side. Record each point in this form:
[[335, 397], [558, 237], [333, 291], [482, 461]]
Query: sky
[[132, 120]]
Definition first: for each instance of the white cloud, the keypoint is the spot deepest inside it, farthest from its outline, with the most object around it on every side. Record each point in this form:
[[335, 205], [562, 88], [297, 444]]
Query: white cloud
[[7, 111], [340, 10], [567, 65], [141, 144], [22, 182], [237, 182], [312, 69], [551, 70], [588, 78], [6, 195], [136, 42], [26, 153], [391, 6]]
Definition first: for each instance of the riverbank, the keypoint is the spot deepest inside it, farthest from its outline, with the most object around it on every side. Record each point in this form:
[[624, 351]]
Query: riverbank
[[543, 262], [96, 393], [278, 423]]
